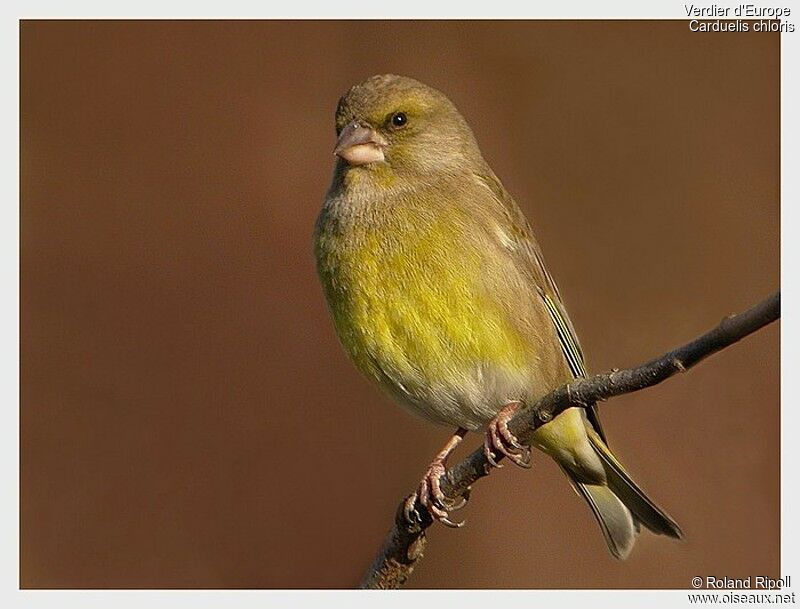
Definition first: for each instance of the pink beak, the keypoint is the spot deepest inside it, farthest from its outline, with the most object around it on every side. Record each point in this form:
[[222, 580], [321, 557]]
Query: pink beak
[[359, 144]]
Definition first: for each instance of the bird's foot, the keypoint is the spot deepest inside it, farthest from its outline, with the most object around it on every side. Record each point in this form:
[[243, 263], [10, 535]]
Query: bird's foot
[[430, 494], [500, 441]]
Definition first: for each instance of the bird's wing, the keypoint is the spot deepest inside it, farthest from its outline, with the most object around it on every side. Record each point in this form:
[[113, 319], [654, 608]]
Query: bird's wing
[[530, 255]]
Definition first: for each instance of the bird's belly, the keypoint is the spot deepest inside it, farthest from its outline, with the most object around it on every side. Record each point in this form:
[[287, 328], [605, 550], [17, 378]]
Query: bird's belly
[[422, 329]]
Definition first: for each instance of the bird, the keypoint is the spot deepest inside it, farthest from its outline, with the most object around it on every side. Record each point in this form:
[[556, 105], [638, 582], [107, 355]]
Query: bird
[[439, 293]]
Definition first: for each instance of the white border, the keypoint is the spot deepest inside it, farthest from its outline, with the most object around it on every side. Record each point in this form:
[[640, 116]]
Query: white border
[[790, 164]]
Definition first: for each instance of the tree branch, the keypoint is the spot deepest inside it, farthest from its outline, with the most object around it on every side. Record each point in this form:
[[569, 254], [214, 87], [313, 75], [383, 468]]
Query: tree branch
[[404, 544]]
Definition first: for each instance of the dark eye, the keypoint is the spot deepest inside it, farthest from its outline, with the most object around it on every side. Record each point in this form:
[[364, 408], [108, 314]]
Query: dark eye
[[398, 120]]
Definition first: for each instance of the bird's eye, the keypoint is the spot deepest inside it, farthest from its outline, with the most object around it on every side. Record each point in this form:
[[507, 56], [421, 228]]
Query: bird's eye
[[398, 120]]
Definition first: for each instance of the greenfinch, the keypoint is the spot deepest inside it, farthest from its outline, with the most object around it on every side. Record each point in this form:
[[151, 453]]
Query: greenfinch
[[440, 295]]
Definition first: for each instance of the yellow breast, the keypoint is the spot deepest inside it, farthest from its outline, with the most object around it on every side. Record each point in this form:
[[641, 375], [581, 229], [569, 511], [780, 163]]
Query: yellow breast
[[406, 295]]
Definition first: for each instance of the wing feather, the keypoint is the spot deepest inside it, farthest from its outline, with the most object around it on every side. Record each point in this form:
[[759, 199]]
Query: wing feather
[[530, 255]]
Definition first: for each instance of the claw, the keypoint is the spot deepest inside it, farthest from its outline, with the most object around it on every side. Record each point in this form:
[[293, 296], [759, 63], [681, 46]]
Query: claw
[[452, 506], [523, 460], [487, 452], [430, 491], [436, 512], [409, 511], [453, 525], [499, 440], [430, 494], [510, 437]]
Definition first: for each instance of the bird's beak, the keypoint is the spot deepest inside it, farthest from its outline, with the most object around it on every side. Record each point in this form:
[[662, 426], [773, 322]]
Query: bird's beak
[[359, 144]]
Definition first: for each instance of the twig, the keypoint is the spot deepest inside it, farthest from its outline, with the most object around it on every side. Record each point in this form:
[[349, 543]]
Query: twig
[[404, 544]]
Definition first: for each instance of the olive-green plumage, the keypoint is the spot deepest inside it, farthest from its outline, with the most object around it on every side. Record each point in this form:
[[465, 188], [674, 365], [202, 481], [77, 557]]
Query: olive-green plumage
[[440, 295]]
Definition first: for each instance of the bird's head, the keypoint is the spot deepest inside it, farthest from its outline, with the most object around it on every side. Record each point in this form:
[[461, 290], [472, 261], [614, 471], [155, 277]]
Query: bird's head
[[393, 128]]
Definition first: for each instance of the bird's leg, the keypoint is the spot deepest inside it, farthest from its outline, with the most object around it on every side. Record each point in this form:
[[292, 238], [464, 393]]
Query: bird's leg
[[430, 492], [499, 440]]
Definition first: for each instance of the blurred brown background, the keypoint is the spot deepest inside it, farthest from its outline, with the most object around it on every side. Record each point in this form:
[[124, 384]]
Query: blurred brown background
[[188, 417]]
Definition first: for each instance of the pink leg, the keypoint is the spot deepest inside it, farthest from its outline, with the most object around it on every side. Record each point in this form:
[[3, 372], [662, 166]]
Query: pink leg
[[500, 441], [430, 492]]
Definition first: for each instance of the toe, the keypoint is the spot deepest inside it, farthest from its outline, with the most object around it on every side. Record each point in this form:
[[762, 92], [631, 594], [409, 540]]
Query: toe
[[433, 498], [522, 459], [489, 447], [410, 511]]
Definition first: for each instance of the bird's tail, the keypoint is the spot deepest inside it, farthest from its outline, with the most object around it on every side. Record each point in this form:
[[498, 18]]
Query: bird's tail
[[619, 505]]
